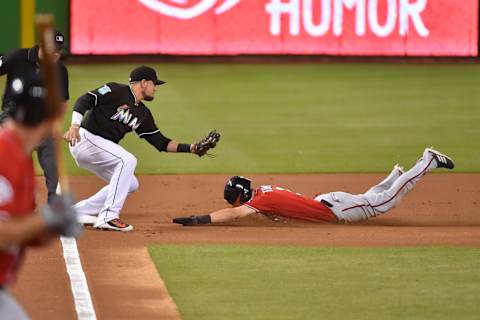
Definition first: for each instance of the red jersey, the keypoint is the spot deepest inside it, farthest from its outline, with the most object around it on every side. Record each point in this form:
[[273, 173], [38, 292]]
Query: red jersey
[[16, 196], [285, 203]]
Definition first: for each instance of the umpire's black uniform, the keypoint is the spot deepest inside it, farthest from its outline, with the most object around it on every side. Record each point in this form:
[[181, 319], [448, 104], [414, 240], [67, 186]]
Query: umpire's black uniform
[[19, 64]]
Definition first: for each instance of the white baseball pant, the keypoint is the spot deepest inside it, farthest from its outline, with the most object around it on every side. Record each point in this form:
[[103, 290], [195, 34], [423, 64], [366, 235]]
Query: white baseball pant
[[380, 198], [113, 164]]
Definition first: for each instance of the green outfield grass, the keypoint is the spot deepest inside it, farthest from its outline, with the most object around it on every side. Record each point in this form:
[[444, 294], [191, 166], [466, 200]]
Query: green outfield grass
[[256, 282], [305, 117]]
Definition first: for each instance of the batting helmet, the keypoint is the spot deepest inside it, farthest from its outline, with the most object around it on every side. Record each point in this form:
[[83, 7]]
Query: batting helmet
[[238, 186], [27, 105]]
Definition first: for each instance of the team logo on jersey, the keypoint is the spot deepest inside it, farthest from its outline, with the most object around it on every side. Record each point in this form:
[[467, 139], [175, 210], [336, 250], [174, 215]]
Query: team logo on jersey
[[104, 90], [188, 9], [124, 116], [6, 191]]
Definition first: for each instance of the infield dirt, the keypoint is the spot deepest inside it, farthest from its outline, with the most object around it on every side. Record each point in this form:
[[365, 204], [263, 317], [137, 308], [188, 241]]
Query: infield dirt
[[442, 210]]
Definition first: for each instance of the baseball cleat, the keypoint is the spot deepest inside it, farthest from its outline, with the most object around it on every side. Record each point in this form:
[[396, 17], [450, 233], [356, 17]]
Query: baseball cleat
[[115, 225], [443, 161], [86, 219]]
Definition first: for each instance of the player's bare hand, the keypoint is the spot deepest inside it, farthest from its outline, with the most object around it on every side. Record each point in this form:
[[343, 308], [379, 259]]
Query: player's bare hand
[[72, 136]]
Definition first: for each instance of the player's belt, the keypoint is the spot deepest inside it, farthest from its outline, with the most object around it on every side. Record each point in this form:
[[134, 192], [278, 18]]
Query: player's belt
[[325, 202]]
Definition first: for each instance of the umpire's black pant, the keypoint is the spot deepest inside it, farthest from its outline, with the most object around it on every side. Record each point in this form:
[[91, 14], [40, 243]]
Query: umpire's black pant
[[48, 162]]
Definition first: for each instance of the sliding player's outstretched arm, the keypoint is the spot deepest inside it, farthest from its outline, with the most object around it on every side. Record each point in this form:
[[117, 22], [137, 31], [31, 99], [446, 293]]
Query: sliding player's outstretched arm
[[223, 215], [229, 214]]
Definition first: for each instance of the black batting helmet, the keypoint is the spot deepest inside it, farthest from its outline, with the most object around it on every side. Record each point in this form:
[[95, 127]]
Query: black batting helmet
[[27, 105], [238, 186]]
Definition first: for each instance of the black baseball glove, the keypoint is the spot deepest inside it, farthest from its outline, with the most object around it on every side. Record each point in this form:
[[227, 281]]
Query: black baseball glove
[[193, 220], [207, 143]]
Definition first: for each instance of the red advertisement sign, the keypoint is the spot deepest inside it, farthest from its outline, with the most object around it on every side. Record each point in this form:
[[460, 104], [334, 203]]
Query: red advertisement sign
[[229, 27]]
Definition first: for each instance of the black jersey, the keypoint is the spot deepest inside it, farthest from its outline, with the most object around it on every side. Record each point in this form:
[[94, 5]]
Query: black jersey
[[115, 111], [24, 62]]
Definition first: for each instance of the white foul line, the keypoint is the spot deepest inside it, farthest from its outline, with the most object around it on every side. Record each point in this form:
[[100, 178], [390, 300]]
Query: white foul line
[[78, 281]]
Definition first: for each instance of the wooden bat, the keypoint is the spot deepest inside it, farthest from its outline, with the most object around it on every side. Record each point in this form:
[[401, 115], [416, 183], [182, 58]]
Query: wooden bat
[[46, 33]]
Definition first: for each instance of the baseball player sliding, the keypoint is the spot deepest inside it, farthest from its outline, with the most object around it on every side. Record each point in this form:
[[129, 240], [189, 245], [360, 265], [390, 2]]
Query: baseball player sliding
[[330, 207], [114, 110]]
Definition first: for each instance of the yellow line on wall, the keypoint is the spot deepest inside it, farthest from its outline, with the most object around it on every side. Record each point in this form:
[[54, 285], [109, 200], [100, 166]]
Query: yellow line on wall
[[27, 12]]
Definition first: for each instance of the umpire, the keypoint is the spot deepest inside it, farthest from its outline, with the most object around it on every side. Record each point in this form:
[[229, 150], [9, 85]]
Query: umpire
[[23, 63]]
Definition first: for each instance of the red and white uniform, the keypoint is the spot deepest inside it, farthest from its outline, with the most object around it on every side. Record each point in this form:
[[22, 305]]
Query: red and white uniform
[[382, 197], [16, 196], [343, 206], [285, 203]]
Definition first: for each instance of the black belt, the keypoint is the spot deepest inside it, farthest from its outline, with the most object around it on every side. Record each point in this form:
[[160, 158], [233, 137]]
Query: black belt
[[325, 202]]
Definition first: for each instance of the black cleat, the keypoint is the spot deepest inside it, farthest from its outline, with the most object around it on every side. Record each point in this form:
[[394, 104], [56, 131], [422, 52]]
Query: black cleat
[[443, 161]]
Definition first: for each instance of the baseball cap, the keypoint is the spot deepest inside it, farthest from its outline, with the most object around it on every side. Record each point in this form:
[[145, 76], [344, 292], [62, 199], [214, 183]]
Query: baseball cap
[[144, 72]]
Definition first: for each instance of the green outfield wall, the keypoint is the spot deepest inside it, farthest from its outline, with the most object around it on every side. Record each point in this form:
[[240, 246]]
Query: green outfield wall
[[17, 25], [9, 25], [60, 9]]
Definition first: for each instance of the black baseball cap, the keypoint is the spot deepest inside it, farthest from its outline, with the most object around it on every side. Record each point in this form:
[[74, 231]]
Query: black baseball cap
[[144, 72]]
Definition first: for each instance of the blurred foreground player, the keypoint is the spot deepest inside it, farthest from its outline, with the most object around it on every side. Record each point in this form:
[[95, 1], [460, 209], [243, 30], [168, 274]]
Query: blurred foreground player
[[20, 225], [330, 207]]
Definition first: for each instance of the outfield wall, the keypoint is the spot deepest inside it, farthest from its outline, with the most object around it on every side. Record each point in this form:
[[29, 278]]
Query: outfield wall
[[253, 27], [9, 25], [278, 27], [17, 25]]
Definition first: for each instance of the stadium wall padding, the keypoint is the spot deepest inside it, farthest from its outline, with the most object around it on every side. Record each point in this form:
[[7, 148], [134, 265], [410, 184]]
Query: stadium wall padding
[[279, 27]]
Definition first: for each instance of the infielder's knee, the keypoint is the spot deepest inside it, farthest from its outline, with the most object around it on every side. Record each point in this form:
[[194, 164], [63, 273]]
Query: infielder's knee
[[133, 185], [130, 161]]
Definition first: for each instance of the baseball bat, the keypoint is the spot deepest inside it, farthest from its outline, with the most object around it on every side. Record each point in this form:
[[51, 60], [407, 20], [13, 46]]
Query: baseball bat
[[44, 25]]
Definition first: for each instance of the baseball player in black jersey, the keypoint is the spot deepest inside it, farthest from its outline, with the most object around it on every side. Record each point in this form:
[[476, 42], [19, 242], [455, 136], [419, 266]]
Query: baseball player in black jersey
[[114, 110], [25, 63]]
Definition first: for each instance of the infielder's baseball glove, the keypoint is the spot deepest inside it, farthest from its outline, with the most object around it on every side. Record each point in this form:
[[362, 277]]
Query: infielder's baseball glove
[[207, 143]]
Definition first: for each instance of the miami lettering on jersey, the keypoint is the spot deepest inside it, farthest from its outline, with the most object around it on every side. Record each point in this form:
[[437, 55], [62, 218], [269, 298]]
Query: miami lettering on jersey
[[124, 116]]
